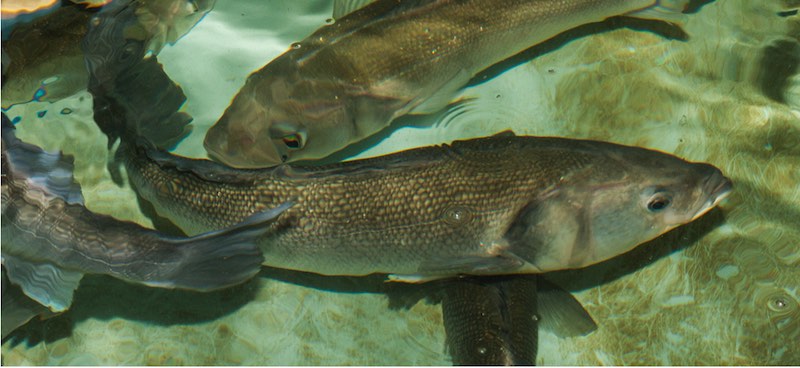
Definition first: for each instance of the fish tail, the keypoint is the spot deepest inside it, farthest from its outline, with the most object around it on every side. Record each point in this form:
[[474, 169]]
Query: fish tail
[[221, 258]]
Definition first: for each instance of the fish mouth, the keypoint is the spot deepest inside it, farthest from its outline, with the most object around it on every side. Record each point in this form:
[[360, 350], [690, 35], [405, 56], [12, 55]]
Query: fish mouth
[[718, 188]]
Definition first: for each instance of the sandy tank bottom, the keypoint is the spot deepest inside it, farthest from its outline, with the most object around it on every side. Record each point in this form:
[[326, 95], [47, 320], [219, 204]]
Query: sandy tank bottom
[[723, 290]]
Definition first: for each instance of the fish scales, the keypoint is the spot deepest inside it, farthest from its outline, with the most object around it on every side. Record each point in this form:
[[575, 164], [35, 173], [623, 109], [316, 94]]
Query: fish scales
[[388, 214], [497, 205], [435, 30], [350, 79], [50, 240]]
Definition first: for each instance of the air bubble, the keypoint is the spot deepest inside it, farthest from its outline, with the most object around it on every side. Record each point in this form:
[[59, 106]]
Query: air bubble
[[778, 303]]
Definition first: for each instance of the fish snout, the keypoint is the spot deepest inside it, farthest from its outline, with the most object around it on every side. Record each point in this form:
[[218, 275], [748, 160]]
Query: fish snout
[[716, 185]]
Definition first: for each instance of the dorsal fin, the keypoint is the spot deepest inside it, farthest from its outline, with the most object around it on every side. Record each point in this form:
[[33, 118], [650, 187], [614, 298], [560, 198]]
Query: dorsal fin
[[344, 7]]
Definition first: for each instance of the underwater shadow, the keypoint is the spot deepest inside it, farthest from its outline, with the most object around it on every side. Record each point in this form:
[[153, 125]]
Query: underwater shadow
[[105, 298]]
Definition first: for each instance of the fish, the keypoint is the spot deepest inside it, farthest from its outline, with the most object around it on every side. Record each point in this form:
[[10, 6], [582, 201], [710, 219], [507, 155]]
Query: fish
[[18, 308], [50, 239], [502, 204], [43, 59], [495, 205], [495, 320], [353, 77]]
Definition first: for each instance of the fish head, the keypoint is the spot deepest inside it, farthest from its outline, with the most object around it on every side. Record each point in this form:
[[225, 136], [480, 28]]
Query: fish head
[[278, 118], [656, 194], [628, 196]]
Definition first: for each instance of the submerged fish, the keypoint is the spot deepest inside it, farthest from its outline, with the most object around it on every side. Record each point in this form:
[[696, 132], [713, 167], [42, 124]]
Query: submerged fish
[[496, 320], [43, 60], [496, 205], [350, 79], [50, 239]]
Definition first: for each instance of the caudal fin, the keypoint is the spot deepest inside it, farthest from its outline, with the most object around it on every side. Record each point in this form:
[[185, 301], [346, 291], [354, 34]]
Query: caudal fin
[[221, 258]]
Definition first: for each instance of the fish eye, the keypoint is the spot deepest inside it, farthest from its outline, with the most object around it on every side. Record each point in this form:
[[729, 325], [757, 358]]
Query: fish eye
[[291, 136], [293, 141], [658, 202]]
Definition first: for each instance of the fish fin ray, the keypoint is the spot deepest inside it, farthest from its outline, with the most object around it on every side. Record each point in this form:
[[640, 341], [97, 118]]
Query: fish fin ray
[[52, 171], [561, 313], [344, 7], [45, 283], [443, 96], [221, 258]]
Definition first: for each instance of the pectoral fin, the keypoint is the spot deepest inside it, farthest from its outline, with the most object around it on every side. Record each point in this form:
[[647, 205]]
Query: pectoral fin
[[561, 313], [442, 96], [45, 283]]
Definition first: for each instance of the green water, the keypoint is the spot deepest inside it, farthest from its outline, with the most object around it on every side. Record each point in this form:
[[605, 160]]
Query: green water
[[723, 290]]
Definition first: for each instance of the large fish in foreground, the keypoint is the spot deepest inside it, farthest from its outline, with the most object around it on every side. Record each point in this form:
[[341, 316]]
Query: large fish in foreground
[[498, 205], [50, 240], [350, 79]]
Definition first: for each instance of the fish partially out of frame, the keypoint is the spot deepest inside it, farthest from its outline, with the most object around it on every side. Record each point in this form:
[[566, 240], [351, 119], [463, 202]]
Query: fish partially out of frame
[[50, 239], [503, 204], [350, 79]]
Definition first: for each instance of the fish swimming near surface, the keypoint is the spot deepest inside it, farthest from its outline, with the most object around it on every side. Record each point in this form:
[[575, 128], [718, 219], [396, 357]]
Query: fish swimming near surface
[[498, 205], [50, 239], [43, 60], [350, 79]]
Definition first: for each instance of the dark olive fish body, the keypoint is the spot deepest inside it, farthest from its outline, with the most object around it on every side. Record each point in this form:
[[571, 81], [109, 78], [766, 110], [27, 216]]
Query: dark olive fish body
[[492, 320], [494, 205], [350, 79], [50, 239]]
